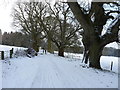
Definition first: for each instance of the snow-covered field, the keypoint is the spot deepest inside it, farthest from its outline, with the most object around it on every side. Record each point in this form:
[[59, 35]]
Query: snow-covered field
[[6, 48], [105, 61], [51, 71], [113, 45]]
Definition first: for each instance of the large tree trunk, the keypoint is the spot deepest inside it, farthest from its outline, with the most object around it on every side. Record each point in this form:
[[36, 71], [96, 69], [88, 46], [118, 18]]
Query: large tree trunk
[[49, 46], [35, 44], [95, 52], [61, 52]]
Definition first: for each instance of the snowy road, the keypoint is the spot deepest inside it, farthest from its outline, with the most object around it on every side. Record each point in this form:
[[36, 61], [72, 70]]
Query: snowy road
[[50, 71], [55, 74]]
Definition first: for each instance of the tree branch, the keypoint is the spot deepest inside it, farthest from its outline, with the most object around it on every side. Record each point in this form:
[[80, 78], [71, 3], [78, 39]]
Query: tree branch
[[82, 18], [112, 32]]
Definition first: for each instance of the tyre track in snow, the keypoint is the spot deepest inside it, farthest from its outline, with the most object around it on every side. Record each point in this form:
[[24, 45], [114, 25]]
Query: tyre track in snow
[[48, 75], [51, 74]]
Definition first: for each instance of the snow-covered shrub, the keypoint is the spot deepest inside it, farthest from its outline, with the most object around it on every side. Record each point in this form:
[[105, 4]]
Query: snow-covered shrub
[[19, 53]]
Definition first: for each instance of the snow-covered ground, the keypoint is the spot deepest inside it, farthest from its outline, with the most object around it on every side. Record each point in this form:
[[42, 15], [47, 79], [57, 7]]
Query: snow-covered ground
[[105, 61], [113, 45], [6, 48], [51, 71]]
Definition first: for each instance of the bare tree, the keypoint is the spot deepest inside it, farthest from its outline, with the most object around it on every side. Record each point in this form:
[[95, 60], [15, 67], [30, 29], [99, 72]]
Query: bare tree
[[93, 20], [61, 27], [26, 19]]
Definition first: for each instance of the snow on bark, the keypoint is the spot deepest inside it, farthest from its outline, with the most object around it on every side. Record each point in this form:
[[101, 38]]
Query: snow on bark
[[113, 23]]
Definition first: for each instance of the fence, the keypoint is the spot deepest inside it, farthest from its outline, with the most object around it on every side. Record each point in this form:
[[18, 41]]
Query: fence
[[6, 54]]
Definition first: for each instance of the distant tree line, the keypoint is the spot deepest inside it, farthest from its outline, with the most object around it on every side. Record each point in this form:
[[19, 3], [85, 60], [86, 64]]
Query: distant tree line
[[16, 39], [109, 51], [22, 40]]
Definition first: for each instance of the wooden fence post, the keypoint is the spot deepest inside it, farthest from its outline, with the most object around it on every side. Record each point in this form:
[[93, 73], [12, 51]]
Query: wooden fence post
[[111, 65], [11, 52], [2, 55]]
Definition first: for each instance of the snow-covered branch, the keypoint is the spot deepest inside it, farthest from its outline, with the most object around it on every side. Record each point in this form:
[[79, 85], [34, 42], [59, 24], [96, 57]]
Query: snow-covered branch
[[112, 32]]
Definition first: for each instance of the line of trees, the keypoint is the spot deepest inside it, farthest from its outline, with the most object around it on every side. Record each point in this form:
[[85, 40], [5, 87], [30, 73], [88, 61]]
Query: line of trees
[[64, 23], [40, 21], [16, 39]]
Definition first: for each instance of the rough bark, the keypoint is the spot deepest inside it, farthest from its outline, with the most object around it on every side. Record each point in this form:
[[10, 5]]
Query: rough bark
[[61, 52], [49, 48], [95, 52], [35, 45]]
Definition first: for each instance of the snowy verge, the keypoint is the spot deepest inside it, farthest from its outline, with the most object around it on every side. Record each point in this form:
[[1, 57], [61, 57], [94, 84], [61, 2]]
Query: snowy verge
[[51, 71]]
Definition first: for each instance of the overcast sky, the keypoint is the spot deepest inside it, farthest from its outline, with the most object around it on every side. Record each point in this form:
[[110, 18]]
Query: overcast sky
[[5, 18], [5, 14]]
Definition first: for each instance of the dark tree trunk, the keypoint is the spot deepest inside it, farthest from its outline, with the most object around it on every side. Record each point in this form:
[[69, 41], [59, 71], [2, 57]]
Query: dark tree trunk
[[35, 45], [61, 52], [95, 52], [85, 57], [49, 45]]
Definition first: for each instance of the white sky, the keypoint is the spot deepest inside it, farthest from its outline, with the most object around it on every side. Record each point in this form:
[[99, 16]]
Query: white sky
[[5, 14], [5, 18]]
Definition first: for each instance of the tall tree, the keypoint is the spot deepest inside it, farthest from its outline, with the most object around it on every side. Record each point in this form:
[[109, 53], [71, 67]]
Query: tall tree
[[61, 27], [26, 19], [93, 20]]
